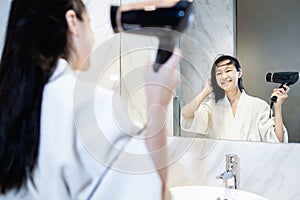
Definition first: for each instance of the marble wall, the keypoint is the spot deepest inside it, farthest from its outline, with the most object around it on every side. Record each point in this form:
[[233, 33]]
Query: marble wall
[[269, 170]]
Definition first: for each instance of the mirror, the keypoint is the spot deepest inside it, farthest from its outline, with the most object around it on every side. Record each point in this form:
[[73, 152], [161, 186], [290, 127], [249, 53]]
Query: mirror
[[220, 27]]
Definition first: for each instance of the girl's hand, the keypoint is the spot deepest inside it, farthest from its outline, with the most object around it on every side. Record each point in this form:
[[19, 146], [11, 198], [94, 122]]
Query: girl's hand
[[208, 86], [281, 94]]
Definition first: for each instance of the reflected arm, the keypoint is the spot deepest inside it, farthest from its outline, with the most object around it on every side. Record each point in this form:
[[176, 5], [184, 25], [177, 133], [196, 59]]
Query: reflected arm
[[278, 124], [189, 109], [281, 94]]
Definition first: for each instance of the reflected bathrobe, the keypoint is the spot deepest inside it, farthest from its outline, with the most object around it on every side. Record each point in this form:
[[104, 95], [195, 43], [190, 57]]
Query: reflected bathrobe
[[82, 131], [250, 123]]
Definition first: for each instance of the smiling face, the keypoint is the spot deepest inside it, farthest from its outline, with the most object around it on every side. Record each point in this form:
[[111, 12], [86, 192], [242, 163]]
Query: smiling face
[[227, 75]]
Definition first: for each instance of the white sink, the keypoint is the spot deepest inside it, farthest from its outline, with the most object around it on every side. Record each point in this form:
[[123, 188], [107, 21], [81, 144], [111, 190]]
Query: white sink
[[211, 193]]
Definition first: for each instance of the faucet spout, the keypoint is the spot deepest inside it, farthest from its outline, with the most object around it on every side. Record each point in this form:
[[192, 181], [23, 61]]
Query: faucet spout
[[225, 175]]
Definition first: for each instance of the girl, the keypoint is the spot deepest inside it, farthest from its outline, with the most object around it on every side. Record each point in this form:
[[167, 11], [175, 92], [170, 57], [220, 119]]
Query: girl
[[234, 114], [41, 153]]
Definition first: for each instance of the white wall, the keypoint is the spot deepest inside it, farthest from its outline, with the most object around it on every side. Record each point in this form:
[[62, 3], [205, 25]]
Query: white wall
[[268, 40]]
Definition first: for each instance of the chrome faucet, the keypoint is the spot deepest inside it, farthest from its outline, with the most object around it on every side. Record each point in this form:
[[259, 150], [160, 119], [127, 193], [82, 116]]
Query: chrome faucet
[[231, 177]]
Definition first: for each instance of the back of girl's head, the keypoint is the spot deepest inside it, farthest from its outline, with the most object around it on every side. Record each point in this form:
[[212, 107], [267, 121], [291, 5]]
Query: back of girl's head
[[37, 28], [36, 37], [219, 93]]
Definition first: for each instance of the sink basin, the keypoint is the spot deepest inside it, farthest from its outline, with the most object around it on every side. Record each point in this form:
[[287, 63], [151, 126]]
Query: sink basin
[[211, 193]]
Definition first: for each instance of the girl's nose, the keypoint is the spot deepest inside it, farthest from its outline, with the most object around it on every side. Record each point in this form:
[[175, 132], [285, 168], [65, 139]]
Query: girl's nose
[[224, 76]]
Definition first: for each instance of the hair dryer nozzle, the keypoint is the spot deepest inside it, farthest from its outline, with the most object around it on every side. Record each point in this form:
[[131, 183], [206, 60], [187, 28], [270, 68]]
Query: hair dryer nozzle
[[113, 11], [288, 78], [173, 15], [162, 19]]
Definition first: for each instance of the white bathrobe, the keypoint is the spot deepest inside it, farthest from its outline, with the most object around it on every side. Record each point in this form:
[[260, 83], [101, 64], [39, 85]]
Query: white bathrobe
[[250, 123], [81, 135]]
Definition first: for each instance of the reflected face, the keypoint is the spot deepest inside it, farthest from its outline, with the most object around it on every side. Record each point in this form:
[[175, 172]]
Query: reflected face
[[227, 75]]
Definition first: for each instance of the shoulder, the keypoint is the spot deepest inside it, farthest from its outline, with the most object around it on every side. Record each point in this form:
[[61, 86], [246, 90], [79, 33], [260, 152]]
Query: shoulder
[[90, 96], [103, 93], [253, 101]]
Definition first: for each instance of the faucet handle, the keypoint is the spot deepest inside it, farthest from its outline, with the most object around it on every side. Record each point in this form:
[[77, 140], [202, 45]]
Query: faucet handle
[[232, 161], [232, 165], [231, 157]]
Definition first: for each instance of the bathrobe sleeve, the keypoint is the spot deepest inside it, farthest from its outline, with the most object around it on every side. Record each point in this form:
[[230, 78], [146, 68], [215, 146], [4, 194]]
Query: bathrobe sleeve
[[201, 121], [266, 125]]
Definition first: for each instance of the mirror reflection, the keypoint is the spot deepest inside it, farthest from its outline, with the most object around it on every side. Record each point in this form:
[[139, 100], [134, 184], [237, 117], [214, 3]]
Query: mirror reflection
[[232, 113]]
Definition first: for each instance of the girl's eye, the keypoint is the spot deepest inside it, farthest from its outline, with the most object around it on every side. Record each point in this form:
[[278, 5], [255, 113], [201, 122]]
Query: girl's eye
[[218, 74]]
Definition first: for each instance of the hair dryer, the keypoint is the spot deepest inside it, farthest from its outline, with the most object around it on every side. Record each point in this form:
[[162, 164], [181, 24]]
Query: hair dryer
[[162, 19], [284, 78]]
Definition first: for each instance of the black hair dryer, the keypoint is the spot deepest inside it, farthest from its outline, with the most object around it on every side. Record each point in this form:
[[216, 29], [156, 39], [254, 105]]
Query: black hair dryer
[[284, 78], [162, 19]]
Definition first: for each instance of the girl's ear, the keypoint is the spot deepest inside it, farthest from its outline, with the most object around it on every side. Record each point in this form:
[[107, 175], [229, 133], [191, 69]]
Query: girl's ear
[[72, 22], [240, 73]]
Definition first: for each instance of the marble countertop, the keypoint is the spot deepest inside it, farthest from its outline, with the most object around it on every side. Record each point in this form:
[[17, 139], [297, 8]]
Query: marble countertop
[[266, 169]]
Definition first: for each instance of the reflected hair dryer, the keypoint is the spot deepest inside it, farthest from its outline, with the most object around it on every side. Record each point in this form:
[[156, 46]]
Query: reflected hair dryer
[[284, 78], [162, 19]]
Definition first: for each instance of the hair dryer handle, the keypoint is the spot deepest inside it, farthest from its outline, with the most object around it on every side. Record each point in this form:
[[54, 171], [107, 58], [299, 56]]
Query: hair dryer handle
[[161, 57], [274, 98]]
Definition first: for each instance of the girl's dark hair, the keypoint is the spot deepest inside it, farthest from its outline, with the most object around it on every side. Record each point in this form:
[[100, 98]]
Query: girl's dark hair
[[36, 38], [219, 93]]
